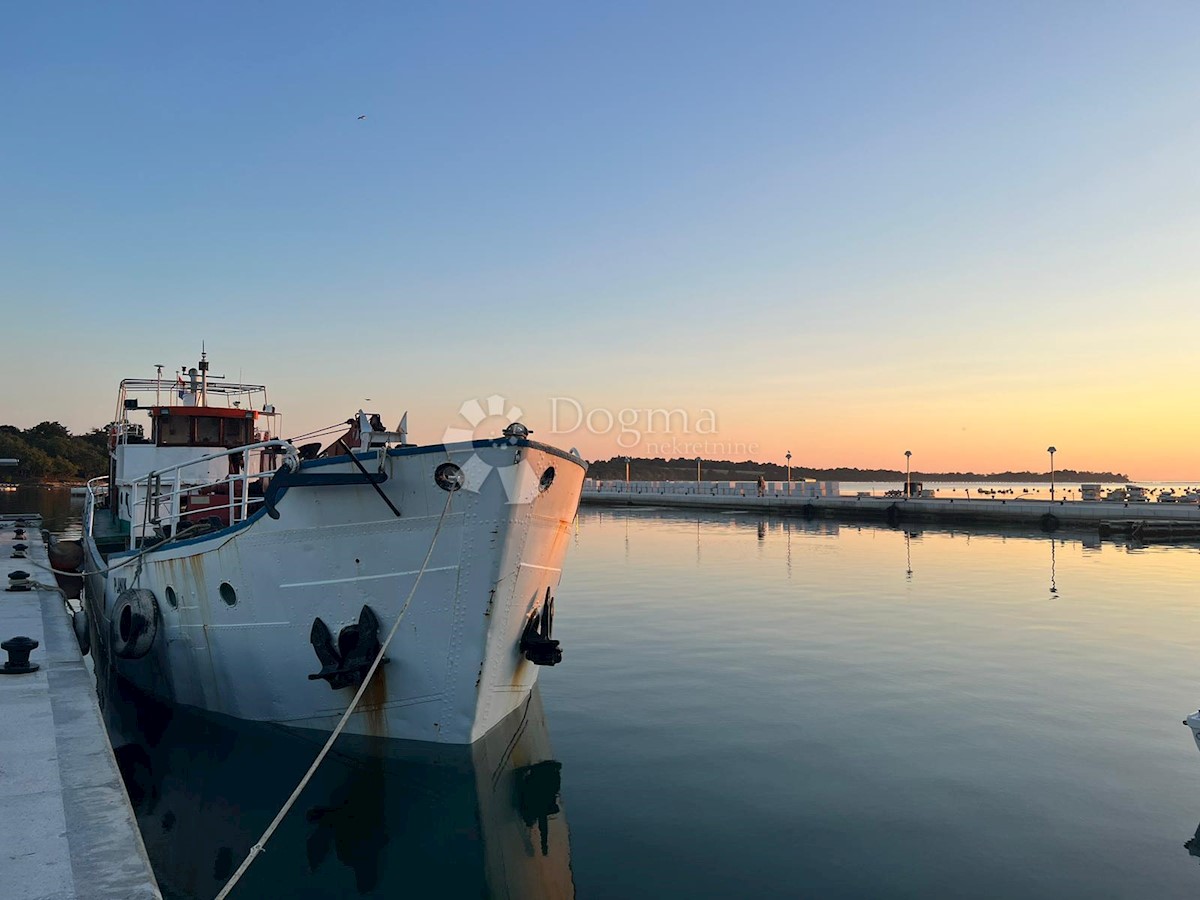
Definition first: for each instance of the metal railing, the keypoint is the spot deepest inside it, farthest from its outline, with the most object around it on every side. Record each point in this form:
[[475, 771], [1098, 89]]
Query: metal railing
[[166, 497], [95, 488]]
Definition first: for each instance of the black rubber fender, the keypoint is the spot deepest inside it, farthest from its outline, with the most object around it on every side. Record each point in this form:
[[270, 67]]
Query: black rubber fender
[[1049, 522], [134, 623], [79, 624], [892, 513]]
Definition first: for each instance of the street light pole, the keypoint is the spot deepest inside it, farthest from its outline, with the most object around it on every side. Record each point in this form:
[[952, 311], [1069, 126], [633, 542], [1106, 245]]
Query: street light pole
[[789, 467], [627, 461], [1051, 451], [697, 474], [907, 474]]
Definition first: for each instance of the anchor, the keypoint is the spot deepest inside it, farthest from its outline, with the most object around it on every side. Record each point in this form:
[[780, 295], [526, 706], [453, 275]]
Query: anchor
[[536, 644], [346, 663]]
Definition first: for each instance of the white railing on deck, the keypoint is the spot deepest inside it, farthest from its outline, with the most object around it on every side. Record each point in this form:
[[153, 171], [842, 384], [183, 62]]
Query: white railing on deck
[[156, 499], [94, 486]]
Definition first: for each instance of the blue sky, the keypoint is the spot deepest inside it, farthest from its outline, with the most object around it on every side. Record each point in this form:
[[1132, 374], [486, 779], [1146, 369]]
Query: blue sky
[[846, 228]]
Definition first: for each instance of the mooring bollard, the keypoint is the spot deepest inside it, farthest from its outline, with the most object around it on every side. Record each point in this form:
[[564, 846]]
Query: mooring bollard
[[18, 649], [18, 581]]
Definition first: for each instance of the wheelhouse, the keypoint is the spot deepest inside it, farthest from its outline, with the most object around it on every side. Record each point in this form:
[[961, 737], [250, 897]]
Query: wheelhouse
[[188, 448]]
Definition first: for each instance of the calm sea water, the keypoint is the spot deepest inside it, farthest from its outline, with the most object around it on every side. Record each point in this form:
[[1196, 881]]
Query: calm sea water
[[780, 708], [756, 707]]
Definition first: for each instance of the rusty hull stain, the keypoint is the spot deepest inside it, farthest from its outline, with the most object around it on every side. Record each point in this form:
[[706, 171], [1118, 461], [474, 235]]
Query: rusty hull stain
[[371, 706]]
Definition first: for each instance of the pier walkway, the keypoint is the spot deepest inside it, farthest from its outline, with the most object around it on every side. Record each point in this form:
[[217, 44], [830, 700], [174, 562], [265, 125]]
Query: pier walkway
[[70, 833], [1149, 520]]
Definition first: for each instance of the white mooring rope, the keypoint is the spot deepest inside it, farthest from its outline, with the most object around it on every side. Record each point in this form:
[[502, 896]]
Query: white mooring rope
[[312, 770]]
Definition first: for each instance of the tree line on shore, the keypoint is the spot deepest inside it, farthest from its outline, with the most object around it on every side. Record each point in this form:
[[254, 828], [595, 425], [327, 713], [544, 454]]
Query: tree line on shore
[[659, 469], [49, 452]]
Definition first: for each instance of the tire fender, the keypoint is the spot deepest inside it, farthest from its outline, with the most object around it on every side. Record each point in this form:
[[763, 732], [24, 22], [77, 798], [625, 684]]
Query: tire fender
[[134, 623]]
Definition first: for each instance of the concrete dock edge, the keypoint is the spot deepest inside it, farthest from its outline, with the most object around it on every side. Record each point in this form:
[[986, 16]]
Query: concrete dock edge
[[71, 833]]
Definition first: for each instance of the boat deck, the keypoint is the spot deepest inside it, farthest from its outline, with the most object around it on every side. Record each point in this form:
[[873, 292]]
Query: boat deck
[[110, 534]]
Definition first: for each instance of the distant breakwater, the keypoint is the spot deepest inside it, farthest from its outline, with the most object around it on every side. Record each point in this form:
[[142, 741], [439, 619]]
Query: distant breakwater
[[1173, 520]]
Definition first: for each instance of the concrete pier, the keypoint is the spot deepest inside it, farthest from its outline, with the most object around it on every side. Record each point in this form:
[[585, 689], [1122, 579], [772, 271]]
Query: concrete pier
[[70, 833], [1166, 520]]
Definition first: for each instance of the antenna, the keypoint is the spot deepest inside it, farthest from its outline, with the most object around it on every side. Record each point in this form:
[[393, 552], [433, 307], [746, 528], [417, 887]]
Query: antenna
[[203, 375], [158, 385]]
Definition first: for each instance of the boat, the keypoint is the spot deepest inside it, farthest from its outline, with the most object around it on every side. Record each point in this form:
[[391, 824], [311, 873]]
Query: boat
[[1166, 495], [243, 574], [1135, 494], [1193, 722]]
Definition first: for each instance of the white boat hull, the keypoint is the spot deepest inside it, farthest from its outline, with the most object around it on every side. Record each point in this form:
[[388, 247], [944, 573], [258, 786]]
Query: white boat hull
[[236, 639]]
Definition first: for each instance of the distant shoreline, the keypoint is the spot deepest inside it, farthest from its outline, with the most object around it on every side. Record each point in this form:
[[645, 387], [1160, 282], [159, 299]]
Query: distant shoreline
[[642, 469]]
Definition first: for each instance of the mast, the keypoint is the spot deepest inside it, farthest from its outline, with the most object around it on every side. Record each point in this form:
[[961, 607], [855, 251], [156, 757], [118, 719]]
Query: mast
[[203, 376]]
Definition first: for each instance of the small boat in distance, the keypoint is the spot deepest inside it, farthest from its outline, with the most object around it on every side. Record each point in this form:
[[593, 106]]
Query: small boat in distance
[[230, 570], [1193, 722]]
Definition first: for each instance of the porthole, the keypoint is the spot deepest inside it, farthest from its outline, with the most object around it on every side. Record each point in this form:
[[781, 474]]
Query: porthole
[[449, 477], [228, 594], [172, 600], [547, 479]]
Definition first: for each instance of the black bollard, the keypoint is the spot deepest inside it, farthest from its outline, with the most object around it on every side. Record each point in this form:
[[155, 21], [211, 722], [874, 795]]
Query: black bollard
[[18, 650]]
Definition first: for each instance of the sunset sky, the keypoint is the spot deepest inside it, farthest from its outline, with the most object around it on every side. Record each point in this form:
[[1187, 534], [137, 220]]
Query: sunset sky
[[969, 230]]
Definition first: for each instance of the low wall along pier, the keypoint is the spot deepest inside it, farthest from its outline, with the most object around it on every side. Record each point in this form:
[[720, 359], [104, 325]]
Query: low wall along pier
[[813, 499]]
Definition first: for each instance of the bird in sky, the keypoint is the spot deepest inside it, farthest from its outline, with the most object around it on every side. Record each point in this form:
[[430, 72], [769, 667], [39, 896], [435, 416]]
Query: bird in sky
[[360, 118]]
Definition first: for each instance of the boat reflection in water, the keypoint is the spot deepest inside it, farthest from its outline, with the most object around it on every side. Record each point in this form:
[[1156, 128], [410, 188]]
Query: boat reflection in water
[[380, 817]]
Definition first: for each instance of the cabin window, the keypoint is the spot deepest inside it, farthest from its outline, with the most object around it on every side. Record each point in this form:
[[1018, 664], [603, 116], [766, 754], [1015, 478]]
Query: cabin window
[[173, 430], [208, 431], [235, 432]]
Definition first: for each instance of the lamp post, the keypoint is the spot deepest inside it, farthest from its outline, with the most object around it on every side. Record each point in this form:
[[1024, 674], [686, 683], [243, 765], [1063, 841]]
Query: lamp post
[[697, 474], [789, 470], [628, 459], [1051, 451], [907, 474]]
